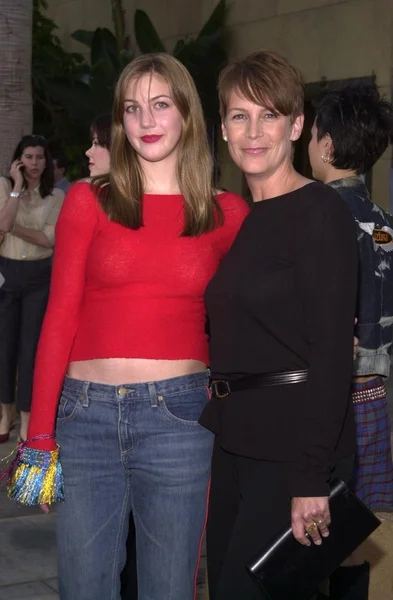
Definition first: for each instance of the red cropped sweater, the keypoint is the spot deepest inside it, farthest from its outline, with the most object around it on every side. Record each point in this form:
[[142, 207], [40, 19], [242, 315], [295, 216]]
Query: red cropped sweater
[[118, 292]]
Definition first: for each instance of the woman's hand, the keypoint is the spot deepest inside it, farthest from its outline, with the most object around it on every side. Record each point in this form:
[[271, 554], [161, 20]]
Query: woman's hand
[[16, 174], [311, 515]]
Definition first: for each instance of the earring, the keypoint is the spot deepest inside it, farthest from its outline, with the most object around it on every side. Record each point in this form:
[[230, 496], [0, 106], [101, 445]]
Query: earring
[[224, 137], [325, 158]]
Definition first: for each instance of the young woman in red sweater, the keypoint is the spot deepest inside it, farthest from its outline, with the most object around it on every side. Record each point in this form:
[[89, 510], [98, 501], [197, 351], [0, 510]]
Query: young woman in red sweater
[[124, 347]]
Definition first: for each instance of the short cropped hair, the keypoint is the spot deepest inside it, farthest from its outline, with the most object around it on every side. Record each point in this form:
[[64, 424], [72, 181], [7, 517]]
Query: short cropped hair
[[265, 78], [360, 124]]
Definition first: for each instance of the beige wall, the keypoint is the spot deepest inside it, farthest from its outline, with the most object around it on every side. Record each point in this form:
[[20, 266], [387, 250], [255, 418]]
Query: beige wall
[[171, 18], [70, 15], [335, 39]]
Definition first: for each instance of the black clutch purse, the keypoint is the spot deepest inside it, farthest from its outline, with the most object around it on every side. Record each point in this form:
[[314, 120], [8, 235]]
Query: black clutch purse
[[287, 570]]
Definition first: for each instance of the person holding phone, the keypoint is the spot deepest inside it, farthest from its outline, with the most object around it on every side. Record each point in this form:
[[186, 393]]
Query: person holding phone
[[29, 207]]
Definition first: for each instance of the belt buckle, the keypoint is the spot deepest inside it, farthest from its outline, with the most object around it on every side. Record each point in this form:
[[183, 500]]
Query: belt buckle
[[215, 388]]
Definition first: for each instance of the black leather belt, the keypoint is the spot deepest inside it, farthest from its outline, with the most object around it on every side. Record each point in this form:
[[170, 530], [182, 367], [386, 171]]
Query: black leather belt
[[221, 388]]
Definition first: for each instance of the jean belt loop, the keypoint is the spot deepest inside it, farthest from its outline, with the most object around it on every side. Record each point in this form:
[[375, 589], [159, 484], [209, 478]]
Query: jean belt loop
[[85, 394], [153, 394]]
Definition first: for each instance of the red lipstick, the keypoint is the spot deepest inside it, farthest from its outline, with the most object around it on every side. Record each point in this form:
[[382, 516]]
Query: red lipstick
[[151, 139]]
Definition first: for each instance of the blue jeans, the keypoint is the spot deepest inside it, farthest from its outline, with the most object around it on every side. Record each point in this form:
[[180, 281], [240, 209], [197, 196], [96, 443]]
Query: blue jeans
[[132, 448]]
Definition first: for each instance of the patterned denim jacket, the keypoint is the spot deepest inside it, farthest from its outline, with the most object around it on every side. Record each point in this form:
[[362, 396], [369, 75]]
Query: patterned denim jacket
[[375, 293]]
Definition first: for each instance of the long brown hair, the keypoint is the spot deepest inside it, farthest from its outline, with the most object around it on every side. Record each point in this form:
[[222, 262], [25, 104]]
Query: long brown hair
[[122, 198]]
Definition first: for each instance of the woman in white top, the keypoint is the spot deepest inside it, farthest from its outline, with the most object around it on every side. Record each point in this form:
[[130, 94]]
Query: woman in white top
[[29, 207]]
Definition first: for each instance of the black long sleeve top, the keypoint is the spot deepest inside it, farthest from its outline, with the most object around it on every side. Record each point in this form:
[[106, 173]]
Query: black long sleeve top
[[284, 299]]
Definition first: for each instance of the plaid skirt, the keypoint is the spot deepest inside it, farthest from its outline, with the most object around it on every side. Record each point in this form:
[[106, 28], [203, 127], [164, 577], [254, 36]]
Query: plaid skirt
[[373, 478]]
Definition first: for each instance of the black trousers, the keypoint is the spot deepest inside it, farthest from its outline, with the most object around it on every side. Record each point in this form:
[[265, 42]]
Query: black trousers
[[23, 300], [249, 506]]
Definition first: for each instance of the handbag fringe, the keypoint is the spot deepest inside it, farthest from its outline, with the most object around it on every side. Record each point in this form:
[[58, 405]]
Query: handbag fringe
[[35, 477]]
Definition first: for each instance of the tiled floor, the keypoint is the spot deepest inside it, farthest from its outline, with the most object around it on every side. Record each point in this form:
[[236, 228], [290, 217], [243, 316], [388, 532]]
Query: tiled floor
[[40, 590], [28, 567]]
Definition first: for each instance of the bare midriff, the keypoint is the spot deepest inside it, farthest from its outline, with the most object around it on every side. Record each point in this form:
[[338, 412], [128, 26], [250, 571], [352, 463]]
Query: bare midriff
[[117, 371], [364, 378]]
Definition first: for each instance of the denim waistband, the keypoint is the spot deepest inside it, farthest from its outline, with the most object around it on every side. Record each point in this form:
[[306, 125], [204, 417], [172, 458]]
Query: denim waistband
[[162, 386]]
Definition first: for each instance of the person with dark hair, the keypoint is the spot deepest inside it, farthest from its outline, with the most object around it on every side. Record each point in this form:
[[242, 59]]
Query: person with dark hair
[[123, 354], [352, 129], [281, 308], [60, 166], [98, 153], [29, 208]]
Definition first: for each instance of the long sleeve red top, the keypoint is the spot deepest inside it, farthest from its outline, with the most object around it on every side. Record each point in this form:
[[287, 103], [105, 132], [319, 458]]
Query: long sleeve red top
[[123, 293]]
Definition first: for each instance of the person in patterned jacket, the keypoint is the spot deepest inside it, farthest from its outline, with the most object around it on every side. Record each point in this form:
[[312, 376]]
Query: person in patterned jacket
[[352, 129]]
